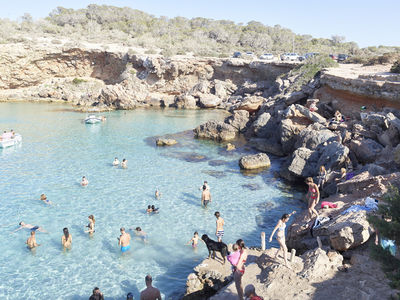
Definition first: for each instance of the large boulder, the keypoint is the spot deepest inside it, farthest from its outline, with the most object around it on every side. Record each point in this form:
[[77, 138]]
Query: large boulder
[[209, 101], [185, 101], [314, 135], [239, 120], [349, 231], [317, 263], [255, 161], [288, 131], [267, 145], [296, 109], [366, 150], [251, 104], [303, 163], [371, 119], [215, 130], [332, 156]]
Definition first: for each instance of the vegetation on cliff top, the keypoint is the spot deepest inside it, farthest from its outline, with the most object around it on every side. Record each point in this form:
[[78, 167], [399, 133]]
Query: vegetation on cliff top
[[387, 223], [204, 37]]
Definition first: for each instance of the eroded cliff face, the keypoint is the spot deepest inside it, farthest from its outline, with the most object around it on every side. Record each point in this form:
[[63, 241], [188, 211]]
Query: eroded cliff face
[[120, 80]]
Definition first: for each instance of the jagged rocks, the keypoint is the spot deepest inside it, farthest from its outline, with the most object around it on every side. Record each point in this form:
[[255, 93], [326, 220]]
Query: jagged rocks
[[165, 142], [239, 120], [185, 101], [317, 263], [215, 130], [251, 104], [366, 150], [267, 145], [256, 161], [296, 109], [209, 101], [314, 135], [349, 231], [288, 131]]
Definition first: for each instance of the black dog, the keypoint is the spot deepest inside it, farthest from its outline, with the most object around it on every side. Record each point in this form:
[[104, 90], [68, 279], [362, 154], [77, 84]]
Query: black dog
[[215, 246]]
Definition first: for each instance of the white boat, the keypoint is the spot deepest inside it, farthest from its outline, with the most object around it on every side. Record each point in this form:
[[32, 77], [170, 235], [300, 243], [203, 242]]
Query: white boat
[[17, 139], [92, 119]]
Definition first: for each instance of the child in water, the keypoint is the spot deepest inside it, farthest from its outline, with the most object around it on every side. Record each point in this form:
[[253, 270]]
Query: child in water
[[194, 241]]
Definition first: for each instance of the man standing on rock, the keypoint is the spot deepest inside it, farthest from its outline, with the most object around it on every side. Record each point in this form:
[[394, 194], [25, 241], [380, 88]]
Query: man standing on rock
[[219, 232], [205, 196], [150, 293]]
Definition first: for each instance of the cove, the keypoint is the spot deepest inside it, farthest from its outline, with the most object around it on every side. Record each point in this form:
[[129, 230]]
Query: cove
[[58, 149]]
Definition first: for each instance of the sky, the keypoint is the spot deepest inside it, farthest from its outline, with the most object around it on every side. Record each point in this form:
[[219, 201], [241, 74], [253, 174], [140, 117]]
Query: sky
[[366, 22]]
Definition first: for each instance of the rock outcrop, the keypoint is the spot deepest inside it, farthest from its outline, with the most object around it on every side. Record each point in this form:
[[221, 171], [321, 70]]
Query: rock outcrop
[[165, 142], [255, 161]]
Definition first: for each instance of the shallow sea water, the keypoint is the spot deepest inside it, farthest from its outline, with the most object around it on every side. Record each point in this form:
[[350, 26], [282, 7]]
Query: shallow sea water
[[58, 149]]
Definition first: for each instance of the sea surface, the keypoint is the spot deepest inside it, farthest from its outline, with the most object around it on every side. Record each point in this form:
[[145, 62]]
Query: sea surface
[[58, 149]]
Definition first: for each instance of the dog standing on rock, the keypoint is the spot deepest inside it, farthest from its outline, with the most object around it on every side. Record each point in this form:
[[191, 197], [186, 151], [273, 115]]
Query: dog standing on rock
[[213, 246]]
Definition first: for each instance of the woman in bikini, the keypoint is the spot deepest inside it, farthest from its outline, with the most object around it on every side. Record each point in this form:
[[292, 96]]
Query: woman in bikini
[[280, 236], [66, 239], [239, 268], [92, 221], [312, 197]]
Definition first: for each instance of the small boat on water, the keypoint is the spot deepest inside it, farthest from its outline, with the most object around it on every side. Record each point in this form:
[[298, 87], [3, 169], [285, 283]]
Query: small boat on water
[[92, 119], [12, 141]]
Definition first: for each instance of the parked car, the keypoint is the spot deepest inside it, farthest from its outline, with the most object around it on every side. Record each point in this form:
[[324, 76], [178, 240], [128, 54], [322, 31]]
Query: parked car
[[248, 55], [289, 57], [267, 56], [342, 57], [301, 57], [237, 54], [333, 56], [310, 54]]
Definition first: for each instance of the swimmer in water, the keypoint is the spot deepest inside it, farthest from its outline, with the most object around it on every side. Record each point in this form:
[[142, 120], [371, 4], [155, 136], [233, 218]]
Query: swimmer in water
[[29, 227], [124, 240], [154, 210], [124, 164], [149, 210], [115, 162], [31, 241], [66, 239], [194, 241], [84, 181], [92, 221], [140, 233], [43, 197], [157, 194]]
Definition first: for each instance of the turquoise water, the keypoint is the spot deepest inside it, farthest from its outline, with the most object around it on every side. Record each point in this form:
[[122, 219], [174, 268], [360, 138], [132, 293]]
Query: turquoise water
[[58, 149]]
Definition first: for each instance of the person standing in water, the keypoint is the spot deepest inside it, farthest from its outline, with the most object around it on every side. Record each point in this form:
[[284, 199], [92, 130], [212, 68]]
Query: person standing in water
[[157, 194], [312, 197], [31, 241], [280, 236], [124, 240], [115, 162], [66, 239], [124, 164], [219, 232], [84, 181], [140, 233], [91, 224], [205, 184], [205, 196], [194, 240], [150, 292]]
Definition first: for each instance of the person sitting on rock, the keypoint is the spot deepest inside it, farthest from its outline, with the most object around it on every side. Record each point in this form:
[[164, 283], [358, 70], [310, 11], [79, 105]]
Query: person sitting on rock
[[321, 176]]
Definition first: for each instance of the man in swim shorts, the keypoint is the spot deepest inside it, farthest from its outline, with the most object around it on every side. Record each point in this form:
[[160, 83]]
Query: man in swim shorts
[[219, 232], [205, 196], [30, 227], [124, 240], [31, 241]]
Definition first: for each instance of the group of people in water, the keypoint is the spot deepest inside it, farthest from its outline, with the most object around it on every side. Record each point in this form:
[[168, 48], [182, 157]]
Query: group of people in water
[[7, 135]]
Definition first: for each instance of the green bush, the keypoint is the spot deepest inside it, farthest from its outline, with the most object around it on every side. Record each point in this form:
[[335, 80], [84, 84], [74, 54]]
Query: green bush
[[78, 81], [396, 67]]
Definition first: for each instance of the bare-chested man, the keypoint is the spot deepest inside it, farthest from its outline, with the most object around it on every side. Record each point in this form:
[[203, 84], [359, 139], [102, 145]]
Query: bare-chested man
[[124, 240], [31, 227], [205, 196], [31, 241], [150, 293], [219, 232]]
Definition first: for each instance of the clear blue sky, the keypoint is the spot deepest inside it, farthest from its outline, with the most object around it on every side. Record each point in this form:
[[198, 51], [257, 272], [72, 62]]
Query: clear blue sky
[[367, 22]]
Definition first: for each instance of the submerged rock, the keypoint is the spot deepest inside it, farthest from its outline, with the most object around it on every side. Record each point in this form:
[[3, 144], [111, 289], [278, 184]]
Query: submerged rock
[[217, 162], [165, 142], [252, 186], [255, 161], [214, 173]]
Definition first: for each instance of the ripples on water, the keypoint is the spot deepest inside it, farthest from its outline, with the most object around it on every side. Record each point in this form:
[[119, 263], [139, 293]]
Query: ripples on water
[[58, 149]]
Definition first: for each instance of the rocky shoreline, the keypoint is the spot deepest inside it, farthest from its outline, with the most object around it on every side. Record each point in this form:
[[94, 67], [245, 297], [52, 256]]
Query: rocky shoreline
[[299, 125]]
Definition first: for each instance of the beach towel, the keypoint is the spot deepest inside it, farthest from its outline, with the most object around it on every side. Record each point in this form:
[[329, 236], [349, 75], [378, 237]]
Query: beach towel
[[371, 203], [356, 208], [329, 204], [389, 245]]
